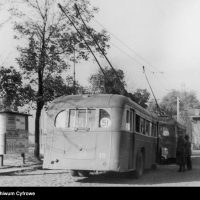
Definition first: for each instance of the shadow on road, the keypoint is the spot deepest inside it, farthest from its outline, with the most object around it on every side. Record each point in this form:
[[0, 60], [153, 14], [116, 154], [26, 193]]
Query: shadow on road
[[165, 174]]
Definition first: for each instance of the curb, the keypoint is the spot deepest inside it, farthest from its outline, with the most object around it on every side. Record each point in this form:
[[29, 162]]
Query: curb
[[19, 169]]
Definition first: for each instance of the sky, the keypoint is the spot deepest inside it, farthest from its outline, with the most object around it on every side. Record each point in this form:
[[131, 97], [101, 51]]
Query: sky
[[161, 35]]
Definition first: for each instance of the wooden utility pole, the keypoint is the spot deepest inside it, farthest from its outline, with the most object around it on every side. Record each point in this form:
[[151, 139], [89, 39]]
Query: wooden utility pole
[[178, 101]]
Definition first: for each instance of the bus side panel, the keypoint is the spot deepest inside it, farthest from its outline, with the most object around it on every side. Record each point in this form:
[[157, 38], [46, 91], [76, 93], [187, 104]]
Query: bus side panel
[[148, 145], [139, 144], [119, 160]]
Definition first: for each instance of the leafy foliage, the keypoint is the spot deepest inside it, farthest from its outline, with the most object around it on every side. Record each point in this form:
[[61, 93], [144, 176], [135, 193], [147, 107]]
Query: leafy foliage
[[108, 84], [141, 97], [188, 101], [111, 85], [12, 89]]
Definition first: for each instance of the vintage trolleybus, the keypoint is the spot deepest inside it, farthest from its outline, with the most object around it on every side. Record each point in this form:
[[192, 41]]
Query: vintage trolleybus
[[100, 132], [168, 136]]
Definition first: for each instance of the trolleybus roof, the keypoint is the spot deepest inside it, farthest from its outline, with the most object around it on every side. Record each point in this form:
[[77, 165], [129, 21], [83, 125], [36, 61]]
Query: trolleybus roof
[[95, 101]]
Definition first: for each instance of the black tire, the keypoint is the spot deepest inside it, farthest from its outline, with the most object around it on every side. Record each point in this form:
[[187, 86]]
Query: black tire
[[74, 172], [84, 173], [139, 166]]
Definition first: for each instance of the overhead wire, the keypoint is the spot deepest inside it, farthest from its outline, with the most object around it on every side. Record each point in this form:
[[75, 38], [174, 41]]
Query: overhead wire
[[120, 49], [132, 51], [160, 82]]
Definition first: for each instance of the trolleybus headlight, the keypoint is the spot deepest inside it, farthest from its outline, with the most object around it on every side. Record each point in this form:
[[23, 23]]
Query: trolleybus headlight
[[104, 164], [57, 160], [52, 162]]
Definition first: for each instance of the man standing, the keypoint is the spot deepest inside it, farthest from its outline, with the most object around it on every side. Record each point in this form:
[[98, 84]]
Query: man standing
[[188, 153], [181, 152]]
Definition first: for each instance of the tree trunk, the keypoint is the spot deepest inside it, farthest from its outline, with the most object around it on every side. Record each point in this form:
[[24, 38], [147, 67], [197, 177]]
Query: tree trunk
[[40, 104], [37, 132]]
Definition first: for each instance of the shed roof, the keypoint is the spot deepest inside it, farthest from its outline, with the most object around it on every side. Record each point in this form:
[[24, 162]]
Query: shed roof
[[17, 113]]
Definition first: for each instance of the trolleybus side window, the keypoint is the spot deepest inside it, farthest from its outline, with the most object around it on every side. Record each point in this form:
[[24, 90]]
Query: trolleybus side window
[[137, 123], [142, 123], [153, 130], [104, 118], [147, 127], [129, 120], [150, 129]]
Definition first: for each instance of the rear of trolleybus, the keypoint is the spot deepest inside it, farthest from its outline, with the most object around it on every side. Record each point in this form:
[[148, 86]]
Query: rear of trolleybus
[[92, 133], [83, 134]]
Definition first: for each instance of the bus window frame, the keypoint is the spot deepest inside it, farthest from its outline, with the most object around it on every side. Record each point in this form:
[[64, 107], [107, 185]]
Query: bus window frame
[[150, 129], [154, 133], [108, 110], [56, 116], [124, 119], [143, 132], [147, 122], [135, 118]]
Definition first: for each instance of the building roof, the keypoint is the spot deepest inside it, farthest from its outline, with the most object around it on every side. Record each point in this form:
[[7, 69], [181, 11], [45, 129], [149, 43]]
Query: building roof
[[17, 113]]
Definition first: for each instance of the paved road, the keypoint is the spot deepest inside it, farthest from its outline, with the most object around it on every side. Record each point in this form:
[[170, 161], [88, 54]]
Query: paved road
[[165, 175]]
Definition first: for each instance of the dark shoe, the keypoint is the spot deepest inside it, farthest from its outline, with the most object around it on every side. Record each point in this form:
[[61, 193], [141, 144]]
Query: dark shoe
[[183, 170], [179, 170]]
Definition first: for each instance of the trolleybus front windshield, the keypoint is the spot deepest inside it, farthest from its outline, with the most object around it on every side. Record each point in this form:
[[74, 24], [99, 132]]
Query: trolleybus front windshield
[[82, 118]]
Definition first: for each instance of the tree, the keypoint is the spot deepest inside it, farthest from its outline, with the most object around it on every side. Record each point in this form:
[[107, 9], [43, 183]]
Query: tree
[[113, 86], [141, 97], [50, 45], [108, 84], [188, 100], [12, 91]]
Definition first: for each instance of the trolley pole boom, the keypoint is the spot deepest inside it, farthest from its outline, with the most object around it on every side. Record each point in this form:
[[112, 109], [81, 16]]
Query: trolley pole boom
[[89, 32], [86, 44]]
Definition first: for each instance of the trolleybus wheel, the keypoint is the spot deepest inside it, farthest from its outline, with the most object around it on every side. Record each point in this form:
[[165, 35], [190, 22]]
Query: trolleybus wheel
[[74, 172], [84, 173], [139, 166]]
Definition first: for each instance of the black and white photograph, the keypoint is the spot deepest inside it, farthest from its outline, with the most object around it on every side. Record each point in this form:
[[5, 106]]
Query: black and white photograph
[[99, 93]]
